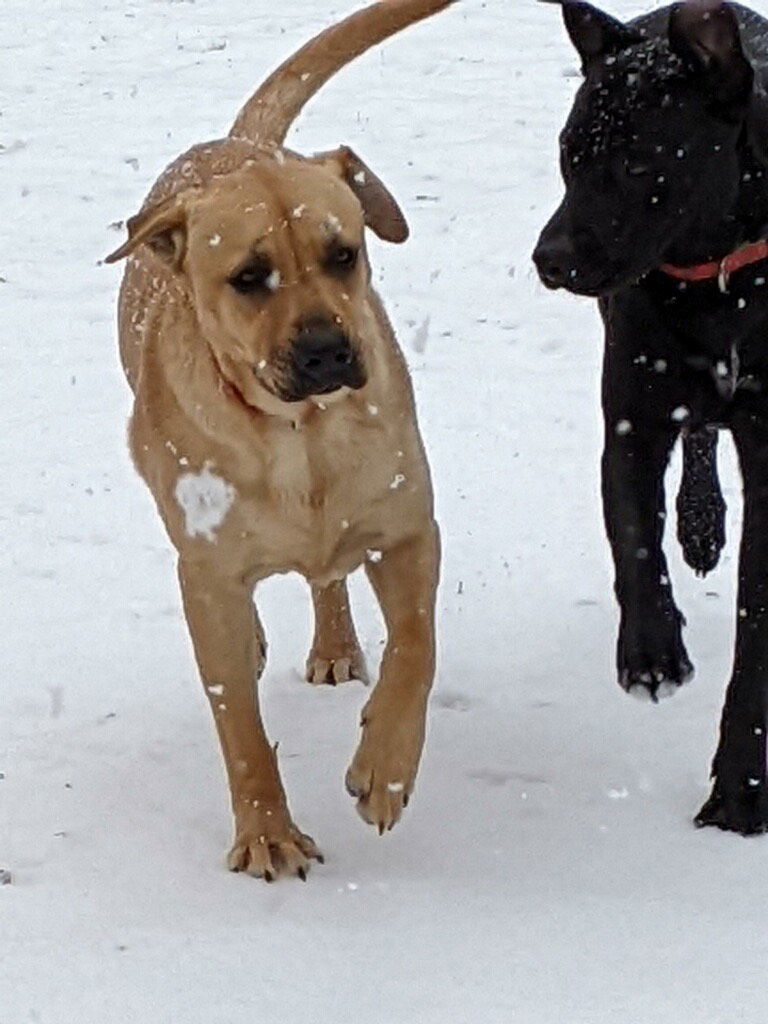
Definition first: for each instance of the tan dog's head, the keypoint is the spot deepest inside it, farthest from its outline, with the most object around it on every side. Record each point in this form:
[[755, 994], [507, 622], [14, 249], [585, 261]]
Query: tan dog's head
[[273, 257]]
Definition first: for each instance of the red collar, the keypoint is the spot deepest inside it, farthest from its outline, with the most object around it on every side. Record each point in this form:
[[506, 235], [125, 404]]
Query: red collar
[[752, 252]]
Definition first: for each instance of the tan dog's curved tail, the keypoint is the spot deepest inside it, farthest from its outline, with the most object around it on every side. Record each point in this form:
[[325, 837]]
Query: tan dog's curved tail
[[270, 112]]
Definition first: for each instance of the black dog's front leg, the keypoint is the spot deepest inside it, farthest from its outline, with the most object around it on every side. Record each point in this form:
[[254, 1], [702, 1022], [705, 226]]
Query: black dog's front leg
[[640, 431], [739, 802], [650, 656]]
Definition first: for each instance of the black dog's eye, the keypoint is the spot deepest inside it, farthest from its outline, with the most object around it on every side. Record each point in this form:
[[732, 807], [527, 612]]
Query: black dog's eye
[[637, 170], [341, 259], [256, 277]]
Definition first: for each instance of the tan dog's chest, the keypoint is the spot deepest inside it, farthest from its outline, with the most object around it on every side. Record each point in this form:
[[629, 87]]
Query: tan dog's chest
[[317, 498]]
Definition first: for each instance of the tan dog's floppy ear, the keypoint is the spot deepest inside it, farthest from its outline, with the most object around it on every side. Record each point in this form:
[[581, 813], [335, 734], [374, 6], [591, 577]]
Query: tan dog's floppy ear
[[162, 228], [382, 214]]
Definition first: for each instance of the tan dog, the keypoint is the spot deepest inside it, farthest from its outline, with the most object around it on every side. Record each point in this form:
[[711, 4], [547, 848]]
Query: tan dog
[[274, 423]]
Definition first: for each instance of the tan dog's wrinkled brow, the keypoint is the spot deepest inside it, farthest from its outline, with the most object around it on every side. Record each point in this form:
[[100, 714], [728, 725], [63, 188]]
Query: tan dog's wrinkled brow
[[274, 423]]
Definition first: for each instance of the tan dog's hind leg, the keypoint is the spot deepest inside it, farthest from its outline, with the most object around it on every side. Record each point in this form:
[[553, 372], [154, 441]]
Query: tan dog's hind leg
[[229, 647], [335, 656], [383, 770]]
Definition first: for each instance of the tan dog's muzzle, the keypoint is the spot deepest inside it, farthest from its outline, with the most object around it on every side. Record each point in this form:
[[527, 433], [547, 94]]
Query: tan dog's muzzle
[[321, 359]]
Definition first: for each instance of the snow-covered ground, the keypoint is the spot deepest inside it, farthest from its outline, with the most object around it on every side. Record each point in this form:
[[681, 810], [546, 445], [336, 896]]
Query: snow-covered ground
[[546, 871]]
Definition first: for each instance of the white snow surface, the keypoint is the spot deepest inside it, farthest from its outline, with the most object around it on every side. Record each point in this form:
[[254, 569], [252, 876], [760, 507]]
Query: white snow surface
[[519, 887]]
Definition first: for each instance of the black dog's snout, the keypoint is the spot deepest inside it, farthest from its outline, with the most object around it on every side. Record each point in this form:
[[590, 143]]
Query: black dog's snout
[[554, 262], [324, 359]]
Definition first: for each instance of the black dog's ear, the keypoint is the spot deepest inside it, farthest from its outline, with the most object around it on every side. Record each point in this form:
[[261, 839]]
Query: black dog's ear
[[593, 32], [705, 34]]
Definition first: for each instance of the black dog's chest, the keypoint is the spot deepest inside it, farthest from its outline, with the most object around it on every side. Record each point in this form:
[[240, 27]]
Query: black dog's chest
[[721, 340], [715, 390]]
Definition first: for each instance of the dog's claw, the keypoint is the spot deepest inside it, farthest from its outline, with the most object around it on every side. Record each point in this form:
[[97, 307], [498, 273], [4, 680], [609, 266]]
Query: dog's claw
[[379, 803], [272, 848]]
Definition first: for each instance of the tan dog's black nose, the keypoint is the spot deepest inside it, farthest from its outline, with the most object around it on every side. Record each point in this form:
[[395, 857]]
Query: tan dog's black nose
[[323, 359]]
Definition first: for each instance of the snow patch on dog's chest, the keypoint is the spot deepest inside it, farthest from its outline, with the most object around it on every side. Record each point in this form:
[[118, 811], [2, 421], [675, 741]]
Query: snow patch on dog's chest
[[205, 499]]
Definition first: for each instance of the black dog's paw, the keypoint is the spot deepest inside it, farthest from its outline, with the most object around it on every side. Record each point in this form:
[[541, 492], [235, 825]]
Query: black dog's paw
[[654, 668], [655, 684], [741, 808], [700, 504], [701, 530]]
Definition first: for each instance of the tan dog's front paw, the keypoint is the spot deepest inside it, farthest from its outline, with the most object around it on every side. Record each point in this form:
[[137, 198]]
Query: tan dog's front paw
[[271, 848], [381, 777], [340, 668]]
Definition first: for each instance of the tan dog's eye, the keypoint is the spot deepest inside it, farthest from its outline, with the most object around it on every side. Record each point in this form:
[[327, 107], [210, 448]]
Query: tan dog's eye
[[258, 276], [341, 259]]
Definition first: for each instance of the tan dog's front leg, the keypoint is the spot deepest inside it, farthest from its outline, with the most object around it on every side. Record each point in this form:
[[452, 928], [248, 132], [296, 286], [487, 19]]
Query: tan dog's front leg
[[229, 647], [383, 770], [335, 656]]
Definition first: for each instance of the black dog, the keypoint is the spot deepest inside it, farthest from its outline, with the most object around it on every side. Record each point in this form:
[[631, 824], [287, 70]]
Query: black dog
[[665, 221]]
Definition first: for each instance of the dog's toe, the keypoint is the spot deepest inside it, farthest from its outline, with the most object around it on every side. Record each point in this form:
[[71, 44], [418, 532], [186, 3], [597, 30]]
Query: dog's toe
[[330, 671], [668, 688], [652, 662], [701, 529], [702, 553], [379, 803], [271, 855], [654, 686], [380, 790], [640, 691]]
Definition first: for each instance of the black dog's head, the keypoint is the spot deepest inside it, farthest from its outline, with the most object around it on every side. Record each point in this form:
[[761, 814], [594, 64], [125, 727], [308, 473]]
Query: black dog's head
[[650, 150]]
